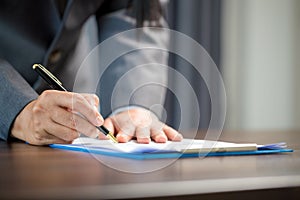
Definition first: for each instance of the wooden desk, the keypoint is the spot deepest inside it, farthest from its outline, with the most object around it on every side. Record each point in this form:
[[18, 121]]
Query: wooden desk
[[30, 172]]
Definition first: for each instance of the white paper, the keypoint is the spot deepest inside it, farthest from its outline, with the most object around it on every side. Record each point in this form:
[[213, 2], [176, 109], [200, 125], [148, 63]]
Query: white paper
[[190, 145]]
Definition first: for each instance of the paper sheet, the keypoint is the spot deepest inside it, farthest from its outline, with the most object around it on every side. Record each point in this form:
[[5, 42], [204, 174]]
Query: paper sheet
[[186, 145]]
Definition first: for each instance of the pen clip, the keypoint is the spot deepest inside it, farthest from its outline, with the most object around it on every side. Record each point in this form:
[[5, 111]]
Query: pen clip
[[41, 67]]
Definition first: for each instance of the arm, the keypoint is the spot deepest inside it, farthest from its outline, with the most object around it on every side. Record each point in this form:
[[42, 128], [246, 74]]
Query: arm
[[137, 78], [16, 93], [47, 118]]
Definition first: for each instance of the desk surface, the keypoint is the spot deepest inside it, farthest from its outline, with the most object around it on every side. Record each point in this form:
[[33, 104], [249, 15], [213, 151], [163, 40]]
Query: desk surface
[[33, 172]]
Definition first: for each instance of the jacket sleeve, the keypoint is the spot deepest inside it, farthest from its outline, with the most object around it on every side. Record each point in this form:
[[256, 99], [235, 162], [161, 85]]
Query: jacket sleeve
[[15, 94], [137, 75]]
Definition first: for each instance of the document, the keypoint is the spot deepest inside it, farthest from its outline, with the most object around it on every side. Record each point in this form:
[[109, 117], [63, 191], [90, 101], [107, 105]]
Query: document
[[184, 148], [189, 145]]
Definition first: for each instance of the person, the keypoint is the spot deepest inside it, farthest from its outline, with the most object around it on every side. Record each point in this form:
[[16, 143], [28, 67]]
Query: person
[[60, 34]]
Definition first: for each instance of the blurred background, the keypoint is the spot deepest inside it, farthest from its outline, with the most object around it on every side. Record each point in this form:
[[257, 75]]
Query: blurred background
[[255, 45]]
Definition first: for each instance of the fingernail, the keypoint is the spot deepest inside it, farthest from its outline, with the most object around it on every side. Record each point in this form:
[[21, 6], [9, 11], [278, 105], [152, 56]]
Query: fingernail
[[122, 138], [99, 120], [178, 137], [161, 139], [145, 140]]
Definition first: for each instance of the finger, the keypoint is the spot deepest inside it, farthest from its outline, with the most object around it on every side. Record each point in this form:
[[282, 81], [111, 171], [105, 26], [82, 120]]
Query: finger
[[74, 122], [172, 134], [75, 102], [48, 141], [158, 136], [51, 139], [108, 123], [92, 99], [125, 133], [143, 135], [40, 123], [88, 110], [123, 137], [45, 138], [62, 132]]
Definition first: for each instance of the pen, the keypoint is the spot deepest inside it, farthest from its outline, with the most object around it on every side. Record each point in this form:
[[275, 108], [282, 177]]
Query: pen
[[57, 85]]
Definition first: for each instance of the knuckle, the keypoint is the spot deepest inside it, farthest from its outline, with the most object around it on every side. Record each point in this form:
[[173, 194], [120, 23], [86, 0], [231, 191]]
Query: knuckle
[[94, 96], [93, 113], [37, 108], [73, 122], [77, 100], [46, 94], [97, 100]]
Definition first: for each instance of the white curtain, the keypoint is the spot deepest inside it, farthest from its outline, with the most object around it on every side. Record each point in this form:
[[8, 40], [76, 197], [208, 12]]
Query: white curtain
[[261, 63]]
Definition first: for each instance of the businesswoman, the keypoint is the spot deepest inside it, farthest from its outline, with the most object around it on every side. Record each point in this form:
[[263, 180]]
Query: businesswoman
[[60, 34]]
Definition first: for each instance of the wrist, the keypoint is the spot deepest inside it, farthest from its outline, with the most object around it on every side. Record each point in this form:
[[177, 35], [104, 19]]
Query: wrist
[[20, 123]]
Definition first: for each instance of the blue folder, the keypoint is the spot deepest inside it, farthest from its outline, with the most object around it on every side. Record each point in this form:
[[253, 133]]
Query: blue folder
[[266, 149]]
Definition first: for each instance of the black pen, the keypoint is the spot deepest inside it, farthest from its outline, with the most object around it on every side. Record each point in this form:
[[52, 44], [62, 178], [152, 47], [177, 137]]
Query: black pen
[[55, 84]]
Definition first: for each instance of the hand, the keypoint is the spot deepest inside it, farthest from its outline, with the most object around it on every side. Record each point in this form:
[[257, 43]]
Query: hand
[[142, 124], [58, 117]]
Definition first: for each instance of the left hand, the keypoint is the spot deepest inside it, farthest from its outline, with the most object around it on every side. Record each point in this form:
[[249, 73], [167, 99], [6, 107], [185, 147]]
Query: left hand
[[142, 124]]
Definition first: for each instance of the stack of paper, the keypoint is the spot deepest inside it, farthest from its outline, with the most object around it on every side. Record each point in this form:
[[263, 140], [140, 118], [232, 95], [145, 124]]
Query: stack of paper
[[185, 148]]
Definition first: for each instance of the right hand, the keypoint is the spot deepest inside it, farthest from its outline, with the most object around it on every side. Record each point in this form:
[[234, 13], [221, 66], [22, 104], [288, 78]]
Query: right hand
[[58, 117]]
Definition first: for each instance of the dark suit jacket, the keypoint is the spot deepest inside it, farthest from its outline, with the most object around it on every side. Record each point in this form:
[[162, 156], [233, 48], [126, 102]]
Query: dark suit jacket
[[60, 34]]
